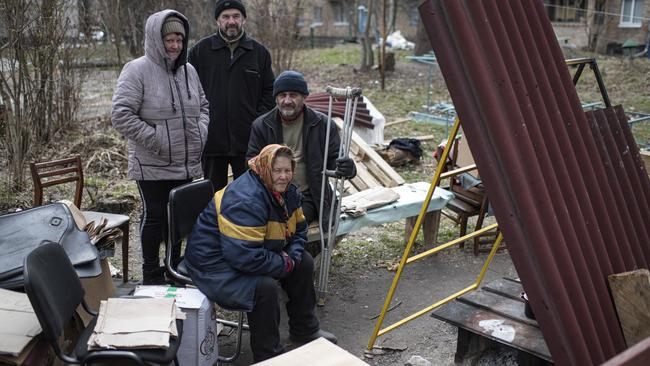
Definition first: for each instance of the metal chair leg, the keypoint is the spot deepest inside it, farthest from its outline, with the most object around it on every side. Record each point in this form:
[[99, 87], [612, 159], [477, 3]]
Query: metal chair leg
[[240, 327]]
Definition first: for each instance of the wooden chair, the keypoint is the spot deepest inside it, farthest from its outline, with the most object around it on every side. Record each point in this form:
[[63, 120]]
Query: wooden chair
[[468, 202], [68, 170]]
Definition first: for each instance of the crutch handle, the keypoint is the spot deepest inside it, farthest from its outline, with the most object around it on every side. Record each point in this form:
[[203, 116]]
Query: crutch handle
[[343, 92], [332, 173]]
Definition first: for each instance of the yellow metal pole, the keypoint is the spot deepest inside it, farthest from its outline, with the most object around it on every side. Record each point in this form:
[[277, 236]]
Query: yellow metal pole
[[451, 243], [416, 229], [449, 298], [495, 247]]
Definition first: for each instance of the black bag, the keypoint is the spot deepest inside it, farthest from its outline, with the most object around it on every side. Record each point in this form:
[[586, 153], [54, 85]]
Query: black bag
[[22, 231], [411, 145]]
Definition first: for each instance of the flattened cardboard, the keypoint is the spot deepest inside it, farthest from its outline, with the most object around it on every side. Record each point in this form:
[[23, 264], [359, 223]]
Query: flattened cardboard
[[320, 352]]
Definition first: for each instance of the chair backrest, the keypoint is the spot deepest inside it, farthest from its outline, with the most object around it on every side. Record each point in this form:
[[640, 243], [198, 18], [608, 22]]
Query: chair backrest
[[53, 289], [185, 204], [51, 173], [458, 158]]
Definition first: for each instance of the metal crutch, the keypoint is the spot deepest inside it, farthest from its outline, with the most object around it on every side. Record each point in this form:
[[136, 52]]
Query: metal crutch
[[351, 96]]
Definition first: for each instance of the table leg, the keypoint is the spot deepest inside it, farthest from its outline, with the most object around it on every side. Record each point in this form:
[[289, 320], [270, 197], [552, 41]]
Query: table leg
[[430, 226], [125, 251]]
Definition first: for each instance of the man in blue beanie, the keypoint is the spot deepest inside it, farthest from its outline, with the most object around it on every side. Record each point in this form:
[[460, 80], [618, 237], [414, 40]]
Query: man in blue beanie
[[236, 75], [303, 130]]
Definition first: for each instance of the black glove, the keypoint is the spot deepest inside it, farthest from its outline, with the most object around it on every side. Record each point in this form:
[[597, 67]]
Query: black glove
[[345, 168]]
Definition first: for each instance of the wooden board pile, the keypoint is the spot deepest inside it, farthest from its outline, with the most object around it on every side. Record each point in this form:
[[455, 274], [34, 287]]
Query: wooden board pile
[[372, 170]]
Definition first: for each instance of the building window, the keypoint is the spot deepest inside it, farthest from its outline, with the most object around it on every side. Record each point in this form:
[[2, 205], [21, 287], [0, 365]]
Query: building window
[[566, 11], [318, 15], [632, 13], [414, 16], [338, 12]]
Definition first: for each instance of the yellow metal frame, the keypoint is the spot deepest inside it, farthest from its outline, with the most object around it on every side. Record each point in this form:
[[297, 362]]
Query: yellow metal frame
[[378, 331]]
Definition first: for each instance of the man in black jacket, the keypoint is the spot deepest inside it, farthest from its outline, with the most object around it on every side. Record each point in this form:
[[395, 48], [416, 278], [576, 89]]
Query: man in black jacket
[[303, 130], [236, 75]]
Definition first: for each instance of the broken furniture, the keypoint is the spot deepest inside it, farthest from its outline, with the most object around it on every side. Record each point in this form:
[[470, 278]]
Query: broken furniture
[[23, 231], [495, 313], [186, 202], [55, 292], [470, 198], [55, 172]]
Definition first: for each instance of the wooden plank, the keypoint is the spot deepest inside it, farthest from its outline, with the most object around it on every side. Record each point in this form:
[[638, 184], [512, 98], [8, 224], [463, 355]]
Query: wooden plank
[[397, 122], [366, 177], [429, 227], [638, 355], [505, 288], [349, 188], [356, 152], [631, 294], [504, 306], [378, 173], [495, 327], [373, 156]]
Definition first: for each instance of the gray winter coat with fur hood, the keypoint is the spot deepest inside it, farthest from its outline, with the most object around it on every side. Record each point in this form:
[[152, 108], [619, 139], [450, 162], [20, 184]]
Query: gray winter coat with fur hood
[[160, 107]]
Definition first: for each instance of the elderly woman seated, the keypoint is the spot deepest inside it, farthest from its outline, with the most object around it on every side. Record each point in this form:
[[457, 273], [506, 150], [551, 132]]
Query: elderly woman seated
[[252, 235]]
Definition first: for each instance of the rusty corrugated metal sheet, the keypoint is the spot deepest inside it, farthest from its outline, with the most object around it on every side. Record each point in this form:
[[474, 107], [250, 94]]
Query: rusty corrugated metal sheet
[[572, 209]]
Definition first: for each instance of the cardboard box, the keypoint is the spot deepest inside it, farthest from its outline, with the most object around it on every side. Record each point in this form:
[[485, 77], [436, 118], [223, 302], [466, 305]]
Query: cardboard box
[[320, 352], [200, 329]]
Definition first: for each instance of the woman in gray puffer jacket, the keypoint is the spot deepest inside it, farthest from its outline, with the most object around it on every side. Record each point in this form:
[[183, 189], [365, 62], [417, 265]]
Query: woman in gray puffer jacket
[[160, 107]]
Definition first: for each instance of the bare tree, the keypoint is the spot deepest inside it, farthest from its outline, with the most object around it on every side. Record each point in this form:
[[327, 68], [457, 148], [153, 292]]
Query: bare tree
[[37, 84], [367, 57], [109, 15], [275, 25], [382, 49], [595, 22]]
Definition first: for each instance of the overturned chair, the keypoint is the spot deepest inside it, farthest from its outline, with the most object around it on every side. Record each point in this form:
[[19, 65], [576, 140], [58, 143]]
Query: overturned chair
[[186, 203]]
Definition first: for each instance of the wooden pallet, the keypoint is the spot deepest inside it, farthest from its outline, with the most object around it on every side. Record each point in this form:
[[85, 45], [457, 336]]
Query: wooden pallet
[[372, 169]]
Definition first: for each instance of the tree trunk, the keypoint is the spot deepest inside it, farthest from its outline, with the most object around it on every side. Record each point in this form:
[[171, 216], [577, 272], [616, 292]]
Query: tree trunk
[[382, 50]]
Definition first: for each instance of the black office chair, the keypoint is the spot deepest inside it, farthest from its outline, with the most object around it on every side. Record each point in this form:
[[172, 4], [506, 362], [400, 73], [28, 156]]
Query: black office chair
[[54, 290], [186, 203]]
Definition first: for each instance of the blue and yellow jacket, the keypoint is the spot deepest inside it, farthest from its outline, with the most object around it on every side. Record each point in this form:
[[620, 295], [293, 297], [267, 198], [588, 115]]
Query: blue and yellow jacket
[[239, 238]]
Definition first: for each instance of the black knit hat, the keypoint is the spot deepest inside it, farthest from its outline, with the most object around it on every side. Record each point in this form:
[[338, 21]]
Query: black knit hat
[[222, 5], [290, 81]]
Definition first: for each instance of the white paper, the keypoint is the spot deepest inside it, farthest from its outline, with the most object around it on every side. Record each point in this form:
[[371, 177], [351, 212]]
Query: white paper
[[186, 298]]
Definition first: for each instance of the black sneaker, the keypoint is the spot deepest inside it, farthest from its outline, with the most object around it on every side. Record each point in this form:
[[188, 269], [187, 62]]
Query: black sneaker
[[312, 337]]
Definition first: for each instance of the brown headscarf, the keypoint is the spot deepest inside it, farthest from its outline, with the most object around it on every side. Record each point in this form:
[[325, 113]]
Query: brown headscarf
[[262, 164]]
